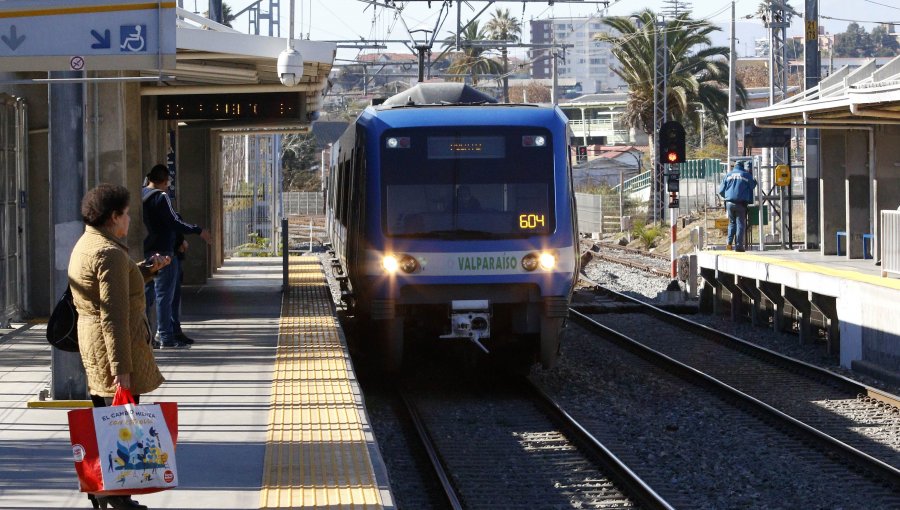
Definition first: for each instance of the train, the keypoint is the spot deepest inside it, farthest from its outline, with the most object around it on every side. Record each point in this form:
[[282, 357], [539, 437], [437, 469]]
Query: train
[[452, 216]]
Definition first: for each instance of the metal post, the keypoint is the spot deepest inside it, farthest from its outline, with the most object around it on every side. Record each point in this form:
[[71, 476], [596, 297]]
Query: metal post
[[811, 154], [732, 96], [284, 255], [555, 57], [66, 134]]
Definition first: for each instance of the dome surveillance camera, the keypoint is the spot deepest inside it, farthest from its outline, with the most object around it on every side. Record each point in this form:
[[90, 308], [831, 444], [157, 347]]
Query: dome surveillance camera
[[290, 67]]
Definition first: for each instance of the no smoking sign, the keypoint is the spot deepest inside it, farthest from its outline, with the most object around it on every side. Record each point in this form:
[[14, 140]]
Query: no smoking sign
[[76, 63]]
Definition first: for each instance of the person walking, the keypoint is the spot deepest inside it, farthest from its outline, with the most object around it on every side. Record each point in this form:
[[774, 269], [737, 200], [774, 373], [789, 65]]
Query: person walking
[[108, 293], [737, 190], [163, 225]]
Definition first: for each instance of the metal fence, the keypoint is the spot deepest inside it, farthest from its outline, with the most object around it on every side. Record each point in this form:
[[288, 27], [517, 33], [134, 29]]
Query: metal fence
[[13, 129], [251, 168], [303, 203], [599, 213]]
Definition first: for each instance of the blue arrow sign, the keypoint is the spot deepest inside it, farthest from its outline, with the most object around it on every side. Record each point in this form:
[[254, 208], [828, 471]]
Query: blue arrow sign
[[13, 40], [103, 41]]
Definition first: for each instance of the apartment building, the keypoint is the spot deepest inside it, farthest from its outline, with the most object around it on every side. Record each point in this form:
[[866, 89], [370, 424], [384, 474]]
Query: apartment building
[[588, 61]]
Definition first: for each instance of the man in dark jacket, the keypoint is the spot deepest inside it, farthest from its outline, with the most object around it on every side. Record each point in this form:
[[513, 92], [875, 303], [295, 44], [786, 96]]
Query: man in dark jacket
[[163, 226], [737, 190]]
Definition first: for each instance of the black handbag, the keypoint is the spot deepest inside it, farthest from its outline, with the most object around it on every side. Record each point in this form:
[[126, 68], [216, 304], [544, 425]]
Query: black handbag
[[62, 328]]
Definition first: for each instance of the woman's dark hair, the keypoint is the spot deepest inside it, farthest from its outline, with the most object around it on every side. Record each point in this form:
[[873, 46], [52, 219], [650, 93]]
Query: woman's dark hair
[[100, 203]]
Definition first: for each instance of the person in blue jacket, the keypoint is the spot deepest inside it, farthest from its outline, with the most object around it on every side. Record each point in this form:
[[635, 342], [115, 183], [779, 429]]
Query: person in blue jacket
[[737, 190], [163, 226]]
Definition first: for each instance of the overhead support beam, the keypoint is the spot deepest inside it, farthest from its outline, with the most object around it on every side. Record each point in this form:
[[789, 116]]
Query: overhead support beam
[[234, 89]]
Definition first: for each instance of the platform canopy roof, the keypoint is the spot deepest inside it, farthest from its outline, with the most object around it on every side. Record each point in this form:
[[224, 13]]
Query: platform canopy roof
[[866, 96], [215, 59]]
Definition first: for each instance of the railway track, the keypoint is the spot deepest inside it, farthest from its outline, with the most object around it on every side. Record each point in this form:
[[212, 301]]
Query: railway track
[[853, 427], [650, 262], [513, 447]]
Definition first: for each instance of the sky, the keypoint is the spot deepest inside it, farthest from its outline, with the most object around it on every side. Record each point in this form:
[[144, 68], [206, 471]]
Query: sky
[[352, 19]]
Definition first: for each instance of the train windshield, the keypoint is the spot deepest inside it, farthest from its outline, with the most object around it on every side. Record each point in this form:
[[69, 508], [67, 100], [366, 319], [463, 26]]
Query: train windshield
[[467, 183]]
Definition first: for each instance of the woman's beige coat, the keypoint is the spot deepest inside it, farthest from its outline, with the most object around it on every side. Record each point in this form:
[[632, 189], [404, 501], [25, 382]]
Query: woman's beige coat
[[113, 334]]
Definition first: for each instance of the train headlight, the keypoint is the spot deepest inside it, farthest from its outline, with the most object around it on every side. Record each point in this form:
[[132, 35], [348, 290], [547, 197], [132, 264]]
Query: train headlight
[[530, 262], [390, 263], [408, 264], [548, 261], [392, 143], [540, 141], [405, 263]]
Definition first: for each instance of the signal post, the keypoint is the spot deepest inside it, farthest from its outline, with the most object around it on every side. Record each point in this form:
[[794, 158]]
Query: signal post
[[672, 152]]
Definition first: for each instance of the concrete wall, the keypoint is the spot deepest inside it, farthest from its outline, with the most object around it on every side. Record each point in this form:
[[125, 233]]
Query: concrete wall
[[833, 216]]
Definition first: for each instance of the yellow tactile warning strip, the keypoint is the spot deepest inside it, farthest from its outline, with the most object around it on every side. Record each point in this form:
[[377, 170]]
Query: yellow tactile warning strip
[[812, 268], [316, 450]]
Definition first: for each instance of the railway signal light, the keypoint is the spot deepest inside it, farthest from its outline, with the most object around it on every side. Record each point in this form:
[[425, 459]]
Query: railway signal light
[[671, 143], [581, 153]]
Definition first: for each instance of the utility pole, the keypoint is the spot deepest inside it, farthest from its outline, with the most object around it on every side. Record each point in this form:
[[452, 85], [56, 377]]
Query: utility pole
[[813, 71], [555, 56], [660, 113], [732, 91]]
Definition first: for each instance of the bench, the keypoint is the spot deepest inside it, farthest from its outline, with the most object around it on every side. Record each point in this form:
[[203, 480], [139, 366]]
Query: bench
[[867, 240]]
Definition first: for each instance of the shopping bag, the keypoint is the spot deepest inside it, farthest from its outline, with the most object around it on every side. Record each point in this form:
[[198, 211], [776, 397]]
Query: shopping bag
[[125, 448]]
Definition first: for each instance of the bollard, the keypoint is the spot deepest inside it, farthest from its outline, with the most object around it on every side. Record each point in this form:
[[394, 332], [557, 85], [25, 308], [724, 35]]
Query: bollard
[[284, 254]]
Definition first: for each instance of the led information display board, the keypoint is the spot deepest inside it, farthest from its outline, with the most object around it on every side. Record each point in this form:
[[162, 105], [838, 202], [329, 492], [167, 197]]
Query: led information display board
[[260, 106]]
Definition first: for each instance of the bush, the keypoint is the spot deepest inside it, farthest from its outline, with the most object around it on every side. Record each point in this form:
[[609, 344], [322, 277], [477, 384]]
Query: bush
[[648, 234]]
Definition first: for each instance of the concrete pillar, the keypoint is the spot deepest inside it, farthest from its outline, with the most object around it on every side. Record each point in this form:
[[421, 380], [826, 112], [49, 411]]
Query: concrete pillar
[[727, 281], [856, 198], [749, 288], [799, 299], [831, 191], [828, 306], [772, 292], [193, 155], [67, 379], [708, 292]]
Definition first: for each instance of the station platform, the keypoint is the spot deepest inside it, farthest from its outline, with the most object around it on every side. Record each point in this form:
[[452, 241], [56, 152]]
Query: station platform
[[858, 304], [269, 412]]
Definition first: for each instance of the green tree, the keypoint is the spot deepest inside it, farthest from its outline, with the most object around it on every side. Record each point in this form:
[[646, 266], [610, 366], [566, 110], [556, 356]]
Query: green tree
[[300, 163], [503, 27], [227, 15], [763, 9], [472, 61], [855, 42], [698, 72], [884, 44]]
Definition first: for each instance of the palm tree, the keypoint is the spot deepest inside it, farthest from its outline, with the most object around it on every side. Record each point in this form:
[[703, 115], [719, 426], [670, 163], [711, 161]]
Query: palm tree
[[502, 27], [698, 72], [473, 60], [789, 11]]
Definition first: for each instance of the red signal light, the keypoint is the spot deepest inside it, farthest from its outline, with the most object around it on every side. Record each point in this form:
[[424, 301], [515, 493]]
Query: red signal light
[[672, 156]]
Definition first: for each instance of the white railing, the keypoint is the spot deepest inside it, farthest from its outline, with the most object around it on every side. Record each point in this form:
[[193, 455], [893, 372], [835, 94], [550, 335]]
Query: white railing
[[890, 242]]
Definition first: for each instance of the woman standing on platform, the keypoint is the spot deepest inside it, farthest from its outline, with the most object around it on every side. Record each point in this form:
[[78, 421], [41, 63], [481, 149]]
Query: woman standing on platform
[[108, 292]]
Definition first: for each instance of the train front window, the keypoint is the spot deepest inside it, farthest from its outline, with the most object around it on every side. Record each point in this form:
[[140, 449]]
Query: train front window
[[467, 183]]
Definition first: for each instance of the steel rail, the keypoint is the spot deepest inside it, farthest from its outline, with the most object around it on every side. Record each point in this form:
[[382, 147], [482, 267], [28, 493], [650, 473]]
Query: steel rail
[[860, 459], [433, 455], [633, 485], [757, 351]]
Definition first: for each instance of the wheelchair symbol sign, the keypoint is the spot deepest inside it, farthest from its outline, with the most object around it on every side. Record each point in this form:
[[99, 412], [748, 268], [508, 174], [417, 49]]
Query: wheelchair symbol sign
[[132, 38]]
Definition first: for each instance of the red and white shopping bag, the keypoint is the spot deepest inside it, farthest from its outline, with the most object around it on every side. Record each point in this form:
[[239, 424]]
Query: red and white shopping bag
[[125, 448]]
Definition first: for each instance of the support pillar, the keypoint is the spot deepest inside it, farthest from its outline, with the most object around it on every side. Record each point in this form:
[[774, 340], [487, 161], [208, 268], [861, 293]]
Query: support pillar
[[708, 292], [66, 146], [772, 292], [799, 299], [727, 281], [828, 306], [749, 288]]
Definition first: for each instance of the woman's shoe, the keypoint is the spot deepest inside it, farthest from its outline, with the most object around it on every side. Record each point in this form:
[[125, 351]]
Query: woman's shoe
[[117, 502], [93, 500]]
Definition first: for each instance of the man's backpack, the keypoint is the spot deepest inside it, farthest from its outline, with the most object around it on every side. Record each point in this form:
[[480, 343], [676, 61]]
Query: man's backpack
[[62, 328]]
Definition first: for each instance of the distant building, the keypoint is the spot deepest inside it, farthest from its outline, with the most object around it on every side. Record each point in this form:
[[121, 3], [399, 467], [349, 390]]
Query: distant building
[[596, 119], [588, 61]]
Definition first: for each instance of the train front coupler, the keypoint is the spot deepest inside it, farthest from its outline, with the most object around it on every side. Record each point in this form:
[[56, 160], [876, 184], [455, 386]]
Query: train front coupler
[[470, 319]]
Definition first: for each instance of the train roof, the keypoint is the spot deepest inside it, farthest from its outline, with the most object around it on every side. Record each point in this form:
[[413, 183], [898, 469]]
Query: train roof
[[438, 94]]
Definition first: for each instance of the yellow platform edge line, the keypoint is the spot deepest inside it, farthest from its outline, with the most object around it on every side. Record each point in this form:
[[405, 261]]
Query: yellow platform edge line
[[309, 407], [812, 268]]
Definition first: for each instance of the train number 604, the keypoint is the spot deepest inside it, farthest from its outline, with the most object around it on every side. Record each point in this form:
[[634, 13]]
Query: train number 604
[[531, 220]]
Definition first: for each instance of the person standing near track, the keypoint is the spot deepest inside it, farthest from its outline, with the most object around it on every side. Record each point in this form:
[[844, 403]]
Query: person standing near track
[[163, 225], [737, 190]]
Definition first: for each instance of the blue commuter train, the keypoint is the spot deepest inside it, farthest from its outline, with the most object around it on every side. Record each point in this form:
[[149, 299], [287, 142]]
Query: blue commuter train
[[453, 216]]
